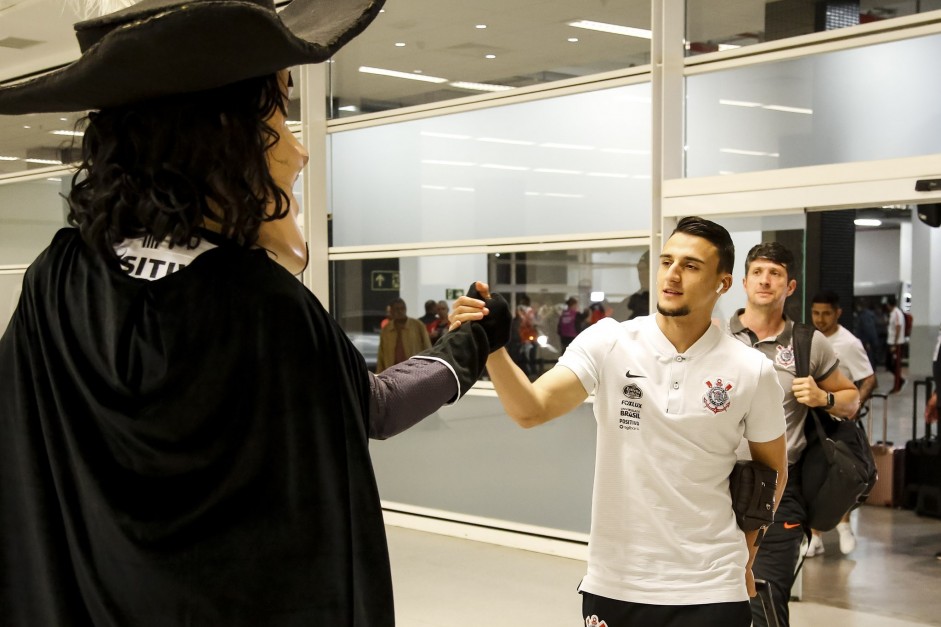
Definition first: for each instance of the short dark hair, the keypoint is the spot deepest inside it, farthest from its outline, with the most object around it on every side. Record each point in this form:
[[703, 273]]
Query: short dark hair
[[397, 301], [774, 252], [154, 167], [892, 300], [827, 297], [713, 233]]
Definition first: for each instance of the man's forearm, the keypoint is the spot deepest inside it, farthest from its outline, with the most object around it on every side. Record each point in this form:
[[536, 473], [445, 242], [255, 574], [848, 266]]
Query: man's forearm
[[866, 388], [514, 389]]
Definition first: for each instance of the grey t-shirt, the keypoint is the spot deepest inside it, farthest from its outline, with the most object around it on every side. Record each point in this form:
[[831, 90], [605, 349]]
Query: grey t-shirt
[[780, 350]]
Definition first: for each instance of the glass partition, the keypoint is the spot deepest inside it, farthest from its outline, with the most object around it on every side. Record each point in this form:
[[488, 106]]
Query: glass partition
[[538, 285], [717, 25], [472, 459], [571, 164], [11, 283], [417, 52], [871, 103], [30, 214]]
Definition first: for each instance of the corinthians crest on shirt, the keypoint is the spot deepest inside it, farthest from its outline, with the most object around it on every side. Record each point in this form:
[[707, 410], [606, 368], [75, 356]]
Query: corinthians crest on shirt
[[717, 398], [785, 355]]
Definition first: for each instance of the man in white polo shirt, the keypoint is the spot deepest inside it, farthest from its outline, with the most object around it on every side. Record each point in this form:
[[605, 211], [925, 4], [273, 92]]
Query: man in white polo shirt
[[854, 364], [674, 395]]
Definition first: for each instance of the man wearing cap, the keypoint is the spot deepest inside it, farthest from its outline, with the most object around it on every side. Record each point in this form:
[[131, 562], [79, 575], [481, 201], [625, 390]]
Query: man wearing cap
[[183, 427]]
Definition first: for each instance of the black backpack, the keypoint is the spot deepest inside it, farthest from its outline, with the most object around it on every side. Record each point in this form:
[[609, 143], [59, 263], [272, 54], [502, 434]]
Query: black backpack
[[838, 469]]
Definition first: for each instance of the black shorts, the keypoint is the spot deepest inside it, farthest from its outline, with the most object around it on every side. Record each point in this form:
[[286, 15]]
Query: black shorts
[[603, 612]]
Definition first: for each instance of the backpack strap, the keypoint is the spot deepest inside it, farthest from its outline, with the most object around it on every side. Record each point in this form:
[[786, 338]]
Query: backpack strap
[[803, 337]]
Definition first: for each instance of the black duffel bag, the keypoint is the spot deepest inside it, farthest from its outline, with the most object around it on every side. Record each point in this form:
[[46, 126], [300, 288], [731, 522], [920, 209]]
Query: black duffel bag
[[837, 467]]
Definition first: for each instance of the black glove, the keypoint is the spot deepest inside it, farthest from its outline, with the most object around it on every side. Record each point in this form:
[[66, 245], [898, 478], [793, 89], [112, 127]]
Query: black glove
[[497, 322], [465, 349]]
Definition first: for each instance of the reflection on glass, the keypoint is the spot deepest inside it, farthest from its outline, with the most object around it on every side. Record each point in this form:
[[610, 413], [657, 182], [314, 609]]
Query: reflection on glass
[[30, 214], [717, 25], [852, 105], [572, 164], [540, 288], [420, 52]]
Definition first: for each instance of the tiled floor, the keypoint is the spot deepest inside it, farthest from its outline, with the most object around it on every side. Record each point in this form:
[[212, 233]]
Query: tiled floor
[[892, 579]]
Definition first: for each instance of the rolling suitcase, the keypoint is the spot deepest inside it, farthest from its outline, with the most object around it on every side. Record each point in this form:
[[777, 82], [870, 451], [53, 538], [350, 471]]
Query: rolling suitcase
[[883, 493], [923, 463]]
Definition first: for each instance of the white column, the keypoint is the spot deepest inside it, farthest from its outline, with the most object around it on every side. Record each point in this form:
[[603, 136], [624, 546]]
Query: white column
[[668, 23], [925, 254], [313, 82]]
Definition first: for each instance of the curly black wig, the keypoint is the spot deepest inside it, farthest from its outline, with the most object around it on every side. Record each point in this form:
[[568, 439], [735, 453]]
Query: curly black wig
[[164, 166]]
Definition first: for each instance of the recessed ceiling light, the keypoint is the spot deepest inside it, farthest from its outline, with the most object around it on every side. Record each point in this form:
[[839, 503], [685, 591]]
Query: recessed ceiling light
[[479, 86], [573, 39], [27, 126], [481, 26], [417, 71], [44, 161], [400, 44], [396, 74], [616, 29], [68, 133], [64, 119], [9, 158], [867, 222], [351, 108], [490, 56]]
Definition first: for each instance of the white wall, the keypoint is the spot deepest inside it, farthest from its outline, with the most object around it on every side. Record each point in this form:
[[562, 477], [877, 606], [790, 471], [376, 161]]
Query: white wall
[[877, 258]]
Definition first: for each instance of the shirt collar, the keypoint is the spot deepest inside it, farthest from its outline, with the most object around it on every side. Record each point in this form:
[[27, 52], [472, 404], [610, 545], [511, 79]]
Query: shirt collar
[[736, 326]]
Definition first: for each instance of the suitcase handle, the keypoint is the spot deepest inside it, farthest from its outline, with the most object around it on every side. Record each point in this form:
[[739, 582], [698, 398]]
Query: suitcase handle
[[885, 416]]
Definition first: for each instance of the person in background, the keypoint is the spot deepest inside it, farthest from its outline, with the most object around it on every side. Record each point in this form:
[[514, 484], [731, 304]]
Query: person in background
[[568, 324], [441, 323], [855, 366], [865, 330], [769, 280], [183, 427], [895, 340], [401, 338], [638, 303], [673, 398], [431, 315]]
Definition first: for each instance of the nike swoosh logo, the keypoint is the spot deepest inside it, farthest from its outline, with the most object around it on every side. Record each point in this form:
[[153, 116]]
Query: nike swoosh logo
[[788, 525], [634, 376]]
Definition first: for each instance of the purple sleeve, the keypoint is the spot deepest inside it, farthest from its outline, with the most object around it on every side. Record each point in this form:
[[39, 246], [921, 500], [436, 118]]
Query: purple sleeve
[[401, 396]]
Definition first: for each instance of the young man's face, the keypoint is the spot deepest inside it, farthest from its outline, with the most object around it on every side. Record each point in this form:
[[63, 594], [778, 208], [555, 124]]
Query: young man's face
[[825, 317], [767, 285], [688, 276]]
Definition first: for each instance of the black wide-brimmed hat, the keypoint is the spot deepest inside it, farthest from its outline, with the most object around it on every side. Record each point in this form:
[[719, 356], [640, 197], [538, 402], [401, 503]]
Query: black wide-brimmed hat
[[162, 47]]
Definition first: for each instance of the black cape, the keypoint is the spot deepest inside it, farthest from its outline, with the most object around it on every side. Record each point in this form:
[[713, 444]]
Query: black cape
[[188, 451]]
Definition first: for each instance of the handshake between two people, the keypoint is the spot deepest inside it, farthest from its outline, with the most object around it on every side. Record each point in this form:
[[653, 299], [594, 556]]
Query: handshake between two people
[[490, 311]]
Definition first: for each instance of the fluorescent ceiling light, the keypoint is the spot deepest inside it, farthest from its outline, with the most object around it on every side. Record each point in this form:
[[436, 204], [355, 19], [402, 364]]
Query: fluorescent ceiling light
[[555, 171], [500, 166], [443, 162], [348, 108], [444, 135], [498, 140], [616, 29], [749, 153], [395, 74], [723, 47], [739, 103], [867, 222], [560, 195], [641, 176], [479, 86], [54, 179], [596, 297], [532, 194], [68, 133], [433, 187], [626, 151], [9, 158], [789, 109], [43, 161], [566, 146], [610, 175]]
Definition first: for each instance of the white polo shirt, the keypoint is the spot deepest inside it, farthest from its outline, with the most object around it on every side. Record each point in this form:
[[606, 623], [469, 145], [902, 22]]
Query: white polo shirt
[[854, 362], [662, 527]]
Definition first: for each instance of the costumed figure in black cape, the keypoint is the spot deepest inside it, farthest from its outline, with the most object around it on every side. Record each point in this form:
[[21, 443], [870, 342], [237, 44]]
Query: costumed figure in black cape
[[183, 427]]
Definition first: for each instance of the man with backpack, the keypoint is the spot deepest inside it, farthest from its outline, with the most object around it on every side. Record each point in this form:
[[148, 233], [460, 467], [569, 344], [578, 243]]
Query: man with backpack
[[769, 280]]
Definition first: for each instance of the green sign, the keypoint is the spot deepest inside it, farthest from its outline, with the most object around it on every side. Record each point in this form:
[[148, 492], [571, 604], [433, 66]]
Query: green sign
[[453, 293], [385, 280]]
